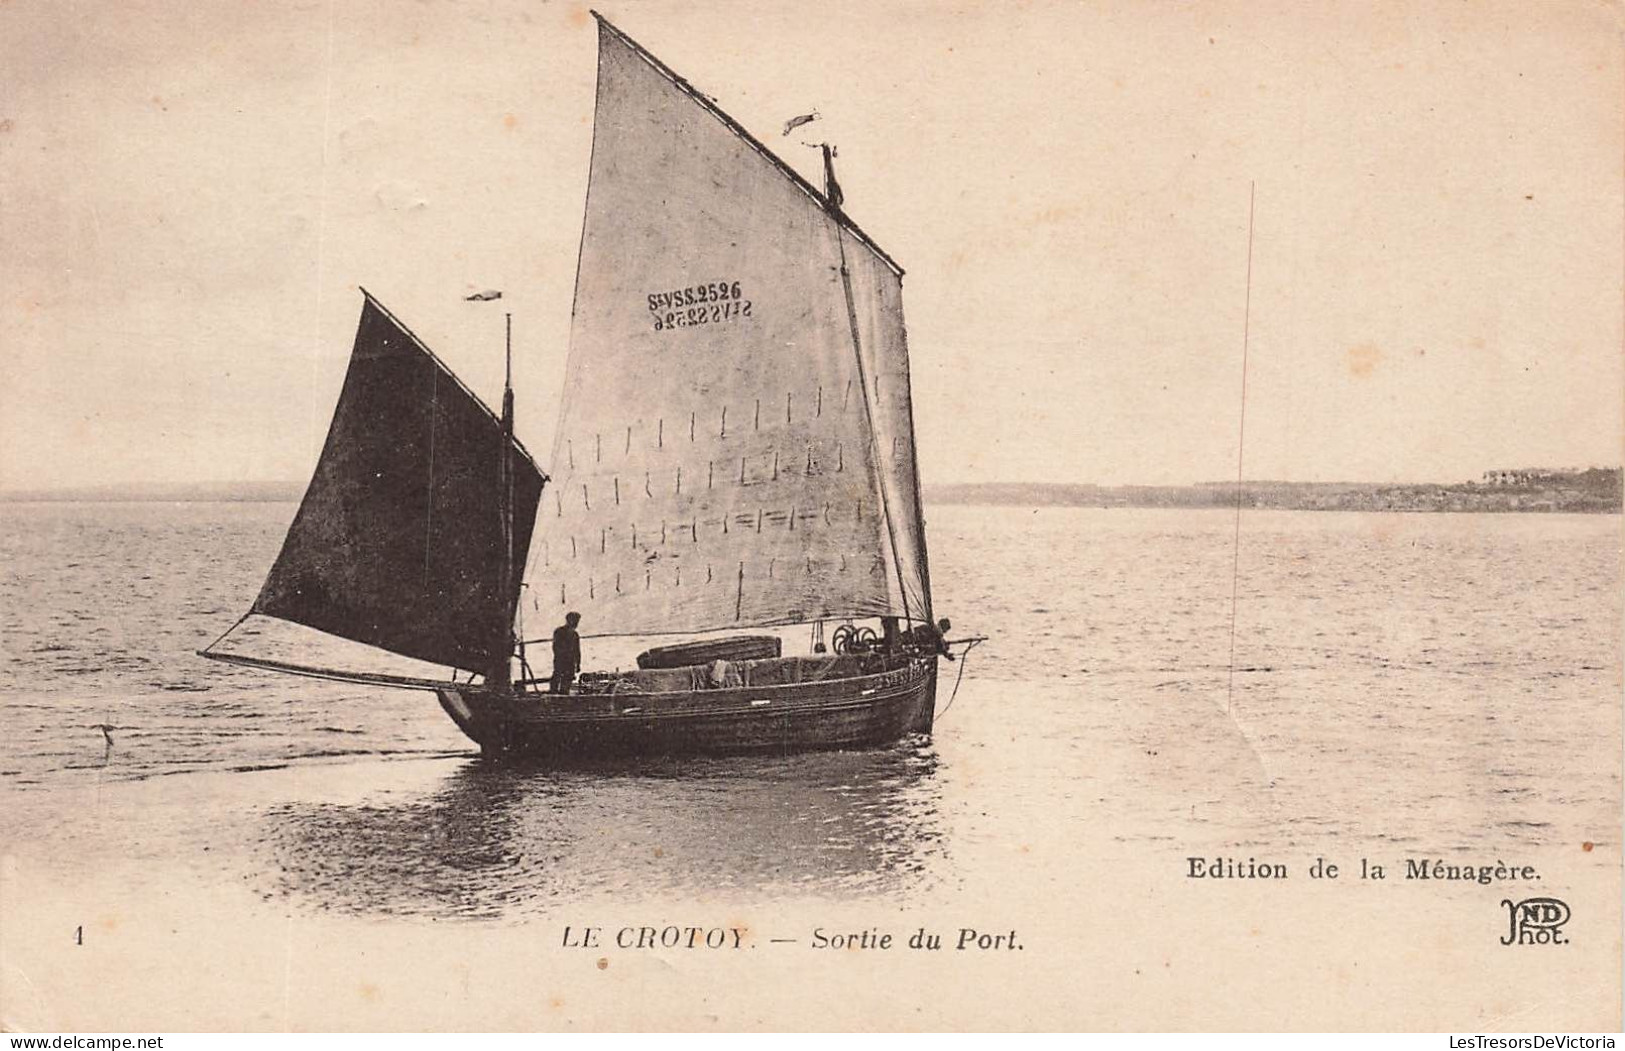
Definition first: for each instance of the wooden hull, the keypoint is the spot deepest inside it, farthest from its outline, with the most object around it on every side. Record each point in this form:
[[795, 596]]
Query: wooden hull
[[861, 712]]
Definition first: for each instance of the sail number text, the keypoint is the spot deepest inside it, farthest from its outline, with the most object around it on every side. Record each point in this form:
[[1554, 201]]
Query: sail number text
[[707, 304]]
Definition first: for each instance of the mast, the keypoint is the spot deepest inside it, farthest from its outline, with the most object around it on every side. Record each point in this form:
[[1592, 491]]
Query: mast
[[499, 676]]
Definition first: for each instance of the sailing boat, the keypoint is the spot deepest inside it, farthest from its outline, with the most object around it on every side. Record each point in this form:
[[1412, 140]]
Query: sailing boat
[[735, 452]]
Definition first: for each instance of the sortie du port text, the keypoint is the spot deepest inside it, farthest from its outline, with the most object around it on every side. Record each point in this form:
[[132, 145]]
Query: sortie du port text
[[673, 937]]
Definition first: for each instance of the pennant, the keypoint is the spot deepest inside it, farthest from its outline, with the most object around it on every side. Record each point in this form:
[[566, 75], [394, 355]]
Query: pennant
[[795, 122]]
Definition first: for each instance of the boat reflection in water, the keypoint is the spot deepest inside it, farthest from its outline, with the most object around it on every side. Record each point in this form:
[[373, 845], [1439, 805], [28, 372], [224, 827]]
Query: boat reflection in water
[[501, 840]]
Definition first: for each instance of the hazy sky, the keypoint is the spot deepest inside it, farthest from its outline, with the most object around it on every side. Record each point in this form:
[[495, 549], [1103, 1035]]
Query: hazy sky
[[190, 193]]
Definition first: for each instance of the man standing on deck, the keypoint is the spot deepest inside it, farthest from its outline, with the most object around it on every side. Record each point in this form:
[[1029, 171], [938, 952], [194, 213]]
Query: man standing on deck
[[928, 638], [566, 654]]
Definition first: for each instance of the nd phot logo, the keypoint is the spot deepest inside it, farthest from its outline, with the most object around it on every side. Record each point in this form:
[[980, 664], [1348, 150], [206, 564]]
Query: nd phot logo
[[1535, 921]]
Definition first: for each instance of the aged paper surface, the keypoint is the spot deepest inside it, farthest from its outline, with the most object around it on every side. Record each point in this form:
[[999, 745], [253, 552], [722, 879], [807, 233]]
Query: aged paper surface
[[1225, 762]]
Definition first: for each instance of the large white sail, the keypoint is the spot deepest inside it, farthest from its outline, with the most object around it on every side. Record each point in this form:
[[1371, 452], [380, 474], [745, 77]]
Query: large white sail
[[734, 447]]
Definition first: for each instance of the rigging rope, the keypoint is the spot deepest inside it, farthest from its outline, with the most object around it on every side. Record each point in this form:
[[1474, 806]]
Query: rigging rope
[[964, 658], [222, 637]]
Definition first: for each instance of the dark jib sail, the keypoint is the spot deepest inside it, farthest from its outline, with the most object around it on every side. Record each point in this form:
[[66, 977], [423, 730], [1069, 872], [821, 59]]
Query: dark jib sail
[[398, 543]]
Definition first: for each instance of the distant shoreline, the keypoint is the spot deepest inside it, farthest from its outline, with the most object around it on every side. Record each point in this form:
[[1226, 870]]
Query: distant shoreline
[[1595, 491], [213, 492]]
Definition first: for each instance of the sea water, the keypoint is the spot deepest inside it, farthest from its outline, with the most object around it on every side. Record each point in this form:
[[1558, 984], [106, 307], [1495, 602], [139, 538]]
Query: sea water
[[1156, 687]]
